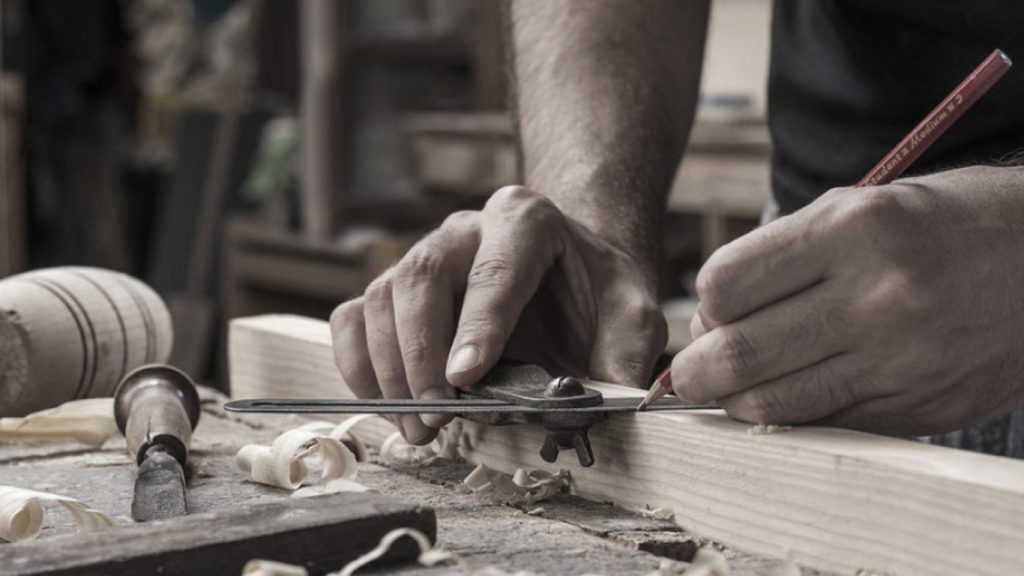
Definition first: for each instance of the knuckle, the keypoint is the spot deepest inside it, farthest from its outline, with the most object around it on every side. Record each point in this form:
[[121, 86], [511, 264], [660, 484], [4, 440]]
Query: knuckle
[[510, 195], [460, 220], [390, 377], [492, 273], [740, 357], [519, 204], [902, 294], [345, 315], [480, 328], [416, 353], [878, 210], [712, 281], [379, 289], [419, 264]]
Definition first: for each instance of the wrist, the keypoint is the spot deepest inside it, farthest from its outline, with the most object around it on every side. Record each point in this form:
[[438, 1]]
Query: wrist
[[620, 221]]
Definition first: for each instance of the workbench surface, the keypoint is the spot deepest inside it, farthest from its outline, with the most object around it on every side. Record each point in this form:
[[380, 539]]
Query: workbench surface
[[566, 536]]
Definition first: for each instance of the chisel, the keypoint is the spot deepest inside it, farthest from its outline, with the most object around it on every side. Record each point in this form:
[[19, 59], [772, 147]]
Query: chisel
[[156, 408]]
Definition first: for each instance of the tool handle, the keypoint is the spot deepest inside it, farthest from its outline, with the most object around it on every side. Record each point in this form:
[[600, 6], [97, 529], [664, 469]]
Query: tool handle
[[157, 405]]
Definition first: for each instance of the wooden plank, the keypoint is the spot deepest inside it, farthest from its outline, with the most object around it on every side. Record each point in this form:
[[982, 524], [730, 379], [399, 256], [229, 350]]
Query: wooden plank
[[320, 533], [838, 500]]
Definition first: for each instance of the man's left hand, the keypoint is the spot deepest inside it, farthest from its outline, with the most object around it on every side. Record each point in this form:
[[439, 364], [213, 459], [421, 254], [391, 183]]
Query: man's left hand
[[897, 309]]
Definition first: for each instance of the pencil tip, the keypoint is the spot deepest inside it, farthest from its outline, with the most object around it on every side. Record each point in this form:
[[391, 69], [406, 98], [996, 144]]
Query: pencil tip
[[642, 405]]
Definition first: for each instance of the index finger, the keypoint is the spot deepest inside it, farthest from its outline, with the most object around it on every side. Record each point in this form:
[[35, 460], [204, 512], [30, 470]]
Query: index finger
[[774, 261], [518, 245]]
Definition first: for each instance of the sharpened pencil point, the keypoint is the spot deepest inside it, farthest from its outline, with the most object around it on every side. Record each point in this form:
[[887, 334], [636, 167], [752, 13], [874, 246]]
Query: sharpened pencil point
[[643, 404]]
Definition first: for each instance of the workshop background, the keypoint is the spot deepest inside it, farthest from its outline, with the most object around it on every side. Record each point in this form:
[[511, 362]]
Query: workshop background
[[247, 156]]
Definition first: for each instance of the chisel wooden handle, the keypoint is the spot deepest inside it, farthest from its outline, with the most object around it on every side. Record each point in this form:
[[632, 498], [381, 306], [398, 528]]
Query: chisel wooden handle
[[74, 332], [157, 405]]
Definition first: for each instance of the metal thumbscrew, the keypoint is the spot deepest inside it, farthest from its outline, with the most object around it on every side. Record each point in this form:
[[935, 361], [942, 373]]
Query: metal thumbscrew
[[575, 437]]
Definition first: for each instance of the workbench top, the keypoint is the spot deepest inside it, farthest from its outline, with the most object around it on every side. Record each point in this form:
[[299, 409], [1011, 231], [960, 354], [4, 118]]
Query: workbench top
[[567, 535]]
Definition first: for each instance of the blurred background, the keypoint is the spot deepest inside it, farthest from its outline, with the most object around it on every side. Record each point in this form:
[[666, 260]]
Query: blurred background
[[248, 156]]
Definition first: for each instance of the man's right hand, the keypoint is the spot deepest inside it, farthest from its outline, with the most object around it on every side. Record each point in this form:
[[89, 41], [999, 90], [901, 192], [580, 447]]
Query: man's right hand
[[519, 279]]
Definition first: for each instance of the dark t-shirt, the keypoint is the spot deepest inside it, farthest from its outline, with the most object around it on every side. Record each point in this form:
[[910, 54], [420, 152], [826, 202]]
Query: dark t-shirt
[[850, 78]]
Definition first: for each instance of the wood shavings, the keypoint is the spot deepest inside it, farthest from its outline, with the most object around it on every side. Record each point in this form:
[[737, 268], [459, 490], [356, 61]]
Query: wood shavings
[[426, 548], [395, 447], [532, 486], [89, 421], [284, 463], [343, 433], [654, 513], [21, 513], [429, 556], [271, 568], [331, 487], [708, 562], [761, 429]]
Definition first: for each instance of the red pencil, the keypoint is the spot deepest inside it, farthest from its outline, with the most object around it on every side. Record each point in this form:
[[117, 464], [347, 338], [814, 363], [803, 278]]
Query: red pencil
[[941, 118], [904, 154]]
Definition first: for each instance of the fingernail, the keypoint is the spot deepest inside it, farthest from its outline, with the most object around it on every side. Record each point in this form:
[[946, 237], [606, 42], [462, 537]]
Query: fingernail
[[467, 358]]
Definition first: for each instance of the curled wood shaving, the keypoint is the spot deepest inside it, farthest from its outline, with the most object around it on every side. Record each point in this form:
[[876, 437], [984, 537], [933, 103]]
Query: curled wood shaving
[[421, 540], [532, 486], [284, 463], [343, 432], [89, 421], [429, 556], [21, 513], [271, 568]]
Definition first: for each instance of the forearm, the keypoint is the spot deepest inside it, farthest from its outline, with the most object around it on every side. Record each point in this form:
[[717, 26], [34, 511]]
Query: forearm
[[606, 91]]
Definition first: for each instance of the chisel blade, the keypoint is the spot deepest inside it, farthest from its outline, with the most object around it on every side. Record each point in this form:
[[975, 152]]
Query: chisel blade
[[159, 488]]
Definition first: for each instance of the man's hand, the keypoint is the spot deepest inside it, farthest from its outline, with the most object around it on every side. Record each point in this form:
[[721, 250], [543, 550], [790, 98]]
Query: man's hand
[[897, 309], [518, 277]]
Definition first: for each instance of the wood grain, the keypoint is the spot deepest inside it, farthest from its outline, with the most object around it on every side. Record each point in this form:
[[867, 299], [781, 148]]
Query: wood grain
[[838, 500], [319, 533]]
